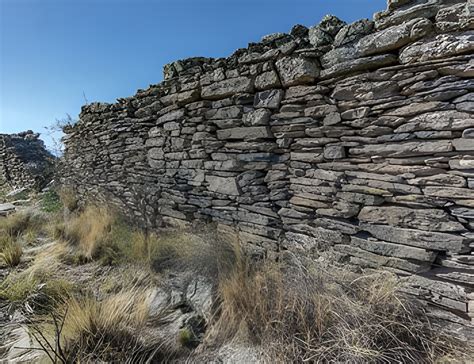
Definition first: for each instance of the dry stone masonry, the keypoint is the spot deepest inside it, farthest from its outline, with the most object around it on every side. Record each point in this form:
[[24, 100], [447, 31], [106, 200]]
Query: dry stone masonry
[[24, 161], [352, 142]]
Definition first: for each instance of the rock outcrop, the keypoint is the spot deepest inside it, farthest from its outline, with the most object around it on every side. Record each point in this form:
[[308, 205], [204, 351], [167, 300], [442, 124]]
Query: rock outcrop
[[354, 139], [24, 161]]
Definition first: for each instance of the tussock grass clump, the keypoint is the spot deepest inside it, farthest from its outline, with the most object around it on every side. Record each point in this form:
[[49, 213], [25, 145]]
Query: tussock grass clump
[[21, 222], [108, 330], [88, 231], [39, 295], [10, 251], [299, 315]]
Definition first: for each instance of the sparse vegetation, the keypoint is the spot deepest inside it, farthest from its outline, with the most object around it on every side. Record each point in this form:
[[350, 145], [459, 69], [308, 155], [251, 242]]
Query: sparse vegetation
[[10, 251], [38, 295], [296, 314], [51, 202], [68, 198], [17, 224], [107, 330], [301, 315]]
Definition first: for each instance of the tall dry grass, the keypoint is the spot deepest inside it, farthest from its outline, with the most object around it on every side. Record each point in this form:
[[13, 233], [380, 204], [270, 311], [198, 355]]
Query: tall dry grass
[[300, 315], [88, 230], [108, 330]]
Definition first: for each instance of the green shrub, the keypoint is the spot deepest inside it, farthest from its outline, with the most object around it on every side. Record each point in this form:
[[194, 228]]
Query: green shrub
[[51, 202]]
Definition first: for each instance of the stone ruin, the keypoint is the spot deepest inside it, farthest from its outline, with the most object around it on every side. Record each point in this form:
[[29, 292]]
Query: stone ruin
[[24, 162], [350, 142]]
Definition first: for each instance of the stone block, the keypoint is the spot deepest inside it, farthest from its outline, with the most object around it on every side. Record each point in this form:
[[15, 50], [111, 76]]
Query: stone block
[[297, 71]]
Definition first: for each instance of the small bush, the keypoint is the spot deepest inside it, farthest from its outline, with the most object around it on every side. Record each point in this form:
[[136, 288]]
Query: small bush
[[10, 251], [51, 202], [186, 337]]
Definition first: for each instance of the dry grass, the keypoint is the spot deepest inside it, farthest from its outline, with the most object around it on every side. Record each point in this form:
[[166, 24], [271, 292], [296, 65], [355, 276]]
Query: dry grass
[[302, 316], [35, 294], [88, 231], [10, 251], [109, 330], [21, 222], [100, 234], [68, 198]]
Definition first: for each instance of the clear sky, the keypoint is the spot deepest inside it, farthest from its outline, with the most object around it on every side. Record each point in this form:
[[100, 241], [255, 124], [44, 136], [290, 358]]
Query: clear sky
[[55, 52]]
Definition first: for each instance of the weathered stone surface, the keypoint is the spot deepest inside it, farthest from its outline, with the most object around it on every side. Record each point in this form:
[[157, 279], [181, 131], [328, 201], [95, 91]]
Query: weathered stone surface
[[297, 71], [406, 149], [334, 152], [353, 32], [443, 45], [270, 99], [422, 239], [224, 185], [423, 219], [6, 208], [394, 37], [24, 162], [227, 88], [393, 250], [257, 117], [267, 80], [248, 133]]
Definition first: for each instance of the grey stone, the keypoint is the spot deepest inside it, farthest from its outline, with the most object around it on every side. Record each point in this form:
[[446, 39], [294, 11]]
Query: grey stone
[[423, 219], [463, 144], [353, 32], [417, 238], [334, 152], [247, 133], [257, 117], [223, 185], [394, 250], [406, 149], [318, 37], [443, 45], [269, 99], [358, 113], [6, 208], [449, 193], [297, 71], [468, 133], [226, 88], [267, 80], [394, 37]]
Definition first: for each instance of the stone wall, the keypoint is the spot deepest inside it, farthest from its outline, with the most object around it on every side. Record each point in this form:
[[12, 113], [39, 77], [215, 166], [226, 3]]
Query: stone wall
[[24, 161], [352, 142]]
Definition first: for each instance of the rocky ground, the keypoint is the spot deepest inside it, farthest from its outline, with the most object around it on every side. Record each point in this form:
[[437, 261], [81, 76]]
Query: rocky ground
[[180, 299], [193, 297]]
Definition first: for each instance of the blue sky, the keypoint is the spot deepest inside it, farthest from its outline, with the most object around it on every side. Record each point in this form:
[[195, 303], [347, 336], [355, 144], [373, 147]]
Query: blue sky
[[53, 52]]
